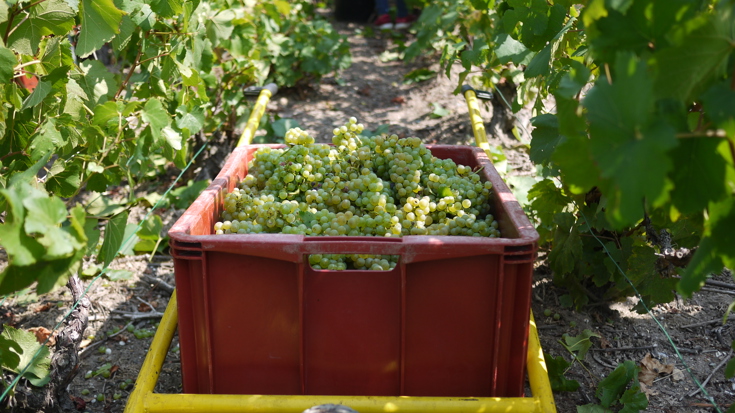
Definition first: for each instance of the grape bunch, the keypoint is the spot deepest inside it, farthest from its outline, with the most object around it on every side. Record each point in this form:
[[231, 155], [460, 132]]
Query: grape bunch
[[360, 186]]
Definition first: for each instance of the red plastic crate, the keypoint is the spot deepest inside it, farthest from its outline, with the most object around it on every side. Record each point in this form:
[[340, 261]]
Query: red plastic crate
[[450, 320]]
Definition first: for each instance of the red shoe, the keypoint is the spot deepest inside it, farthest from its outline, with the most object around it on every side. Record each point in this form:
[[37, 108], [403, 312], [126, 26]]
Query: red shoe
[[383, 22], [405, 22]]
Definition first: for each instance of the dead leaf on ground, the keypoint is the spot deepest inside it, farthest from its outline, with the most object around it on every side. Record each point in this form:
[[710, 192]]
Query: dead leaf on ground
[[144, 308], [603, 342], [43, 307], [677, 375], [365, 91], [399, 100], [648, 391], [42, 333], [651, 369]]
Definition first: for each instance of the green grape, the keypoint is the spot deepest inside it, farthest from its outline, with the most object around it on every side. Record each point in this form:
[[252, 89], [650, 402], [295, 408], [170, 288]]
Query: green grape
[[362, 186]]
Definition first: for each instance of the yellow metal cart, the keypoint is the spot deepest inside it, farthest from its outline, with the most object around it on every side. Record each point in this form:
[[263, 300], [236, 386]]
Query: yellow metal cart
[[143, 399]]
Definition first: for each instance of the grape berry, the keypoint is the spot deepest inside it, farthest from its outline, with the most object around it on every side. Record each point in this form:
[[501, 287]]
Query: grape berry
[[362, 186]]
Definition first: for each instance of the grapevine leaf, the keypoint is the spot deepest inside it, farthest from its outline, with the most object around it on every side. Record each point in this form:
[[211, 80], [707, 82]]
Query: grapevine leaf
[[92, 234], [190, 119], [480, 4], [114, 233], [579, 344], [612, 387], [167, 8], [105, 113], [154, 114], [592, 408], [633, 400], [7, 63], [578, 169], [698, 174], [98, 83], [540, 64], [624, 140], [172, 138], [730, 369], [50, 17], [151, 228], [119, 275], [688, 67], [127, 28], [3, 11], [22, 249], [547, 200], [46, 140], [36, 368], [716, 250], [719, 105], [100, 23], [508, 49], [557, 366], [594, 10], [567, 244], [64, 180], [545, 138], [37, 96], [9, 351]]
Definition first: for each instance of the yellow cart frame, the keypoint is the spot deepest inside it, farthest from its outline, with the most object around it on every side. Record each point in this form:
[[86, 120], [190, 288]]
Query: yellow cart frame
[[144, 400]]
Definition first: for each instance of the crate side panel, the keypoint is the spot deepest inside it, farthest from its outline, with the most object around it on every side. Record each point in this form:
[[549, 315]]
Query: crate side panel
[[451, 319], [254, 307], [352, 332]]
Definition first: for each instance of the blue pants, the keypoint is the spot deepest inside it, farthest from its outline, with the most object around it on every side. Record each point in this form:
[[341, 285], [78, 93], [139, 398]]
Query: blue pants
[[381, 7]]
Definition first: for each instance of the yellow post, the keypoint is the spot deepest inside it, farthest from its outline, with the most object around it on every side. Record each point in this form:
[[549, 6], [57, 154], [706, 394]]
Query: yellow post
[[538, 374], [151, 368], [478, 126], [264, 96]]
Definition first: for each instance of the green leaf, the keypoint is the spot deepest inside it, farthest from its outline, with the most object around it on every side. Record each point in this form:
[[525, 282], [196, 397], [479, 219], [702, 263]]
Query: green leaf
[[567, 244], [698, 175], [557, 366], [151, 228], [64, 180], [544, 138], [36, 367], [190, 119], [508, 49], [100, 23], [7, 63], [154, 114], [418, 75], [283, 125], [92, 234], [114, 233], [184, 196], [540, 65], [594, 10], [97, 81], [715, 250], [633, 400], [520, 185], [612, 387], [438, 111], [9, 350], [37, 96], [172, 138], [625, 139], [579, 344], [119, 275], [22, 249], [50, 17], [167, 8], [702, 56], [547, 200], [592, 408]]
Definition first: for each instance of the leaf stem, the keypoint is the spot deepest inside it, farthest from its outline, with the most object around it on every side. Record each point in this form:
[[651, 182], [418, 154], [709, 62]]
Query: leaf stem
[[154, 57], [716, 133], [20, 66], [13, 153]]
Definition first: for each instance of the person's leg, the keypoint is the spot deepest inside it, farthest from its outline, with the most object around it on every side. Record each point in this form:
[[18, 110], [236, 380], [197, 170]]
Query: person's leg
[[381, 7], [401, 9]]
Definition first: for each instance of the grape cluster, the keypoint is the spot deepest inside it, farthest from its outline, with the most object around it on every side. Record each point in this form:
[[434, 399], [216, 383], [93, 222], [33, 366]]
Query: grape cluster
[[361, 186]]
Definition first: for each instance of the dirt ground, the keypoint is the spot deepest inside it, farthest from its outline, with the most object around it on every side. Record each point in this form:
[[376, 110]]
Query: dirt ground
[[373, 91]]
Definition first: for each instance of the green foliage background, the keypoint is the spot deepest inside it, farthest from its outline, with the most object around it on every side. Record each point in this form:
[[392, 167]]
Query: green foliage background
[[100, 93]]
